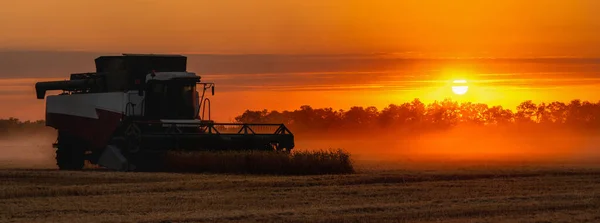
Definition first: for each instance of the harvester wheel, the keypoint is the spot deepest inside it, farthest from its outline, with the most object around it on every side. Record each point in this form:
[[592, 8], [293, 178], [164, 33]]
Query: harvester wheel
[[69, 155], [69, 160]]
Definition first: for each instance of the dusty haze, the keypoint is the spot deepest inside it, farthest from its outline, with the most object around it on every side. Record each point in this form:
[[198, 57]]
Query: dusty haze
[[32, 150], [465, 146], [456, 148]]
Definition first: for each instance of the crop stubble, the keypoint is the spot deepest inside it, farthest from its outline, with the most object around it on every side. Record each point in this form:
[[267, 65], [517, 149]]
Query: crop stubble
[[497, 194]]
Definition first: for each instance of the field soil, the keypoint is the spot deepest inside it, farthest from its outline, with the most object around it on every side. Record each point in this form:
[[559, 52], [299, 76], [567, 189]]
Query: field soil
[[455, 178], [463, 193]]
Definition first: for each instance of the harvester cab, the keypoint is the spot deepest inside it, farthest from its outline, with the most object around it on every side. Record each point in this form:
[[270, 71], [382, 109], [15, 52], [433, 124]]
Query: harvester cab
[[136, 108], [175, 96]]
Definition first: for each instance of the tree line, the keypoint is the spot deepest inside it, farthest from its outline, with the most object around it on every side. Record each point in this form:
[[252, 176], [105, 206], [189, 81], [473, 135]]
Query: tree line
[[439, 115], [13, 125]]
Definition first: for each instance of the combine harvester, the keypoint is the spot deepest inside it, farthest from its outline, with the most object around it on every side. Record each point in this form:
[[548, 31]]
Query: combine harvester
[[136, 108]]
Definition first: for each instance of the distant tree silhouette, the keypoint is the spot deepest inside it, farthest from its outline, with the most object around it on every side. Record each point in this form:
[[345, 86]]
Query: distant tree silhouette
[[526, 112], [253, 116], [14, 125], [557, 112], [497, 115], [438, 115]]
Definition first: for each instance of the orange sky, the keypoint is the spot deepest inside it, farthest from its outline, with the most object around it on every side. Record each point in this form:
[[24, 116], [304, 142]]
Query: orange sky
[[416, 28], [397, 81], [430, 27]]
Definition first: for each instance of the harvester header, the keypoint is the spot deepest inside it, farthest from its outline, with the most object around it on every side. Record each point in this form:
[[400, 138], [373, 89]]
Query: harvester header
[[136, 107]]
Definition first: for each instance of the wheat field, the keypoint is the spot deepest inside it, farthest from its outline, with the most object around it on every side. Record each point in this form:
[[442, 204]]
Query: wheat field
[[261, 162], [493, 194]]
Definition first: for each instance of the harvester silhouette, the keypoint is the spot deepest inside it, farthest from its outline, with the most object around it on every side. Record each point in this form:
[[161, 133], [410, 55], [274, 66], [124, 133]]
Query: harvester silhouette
[[136, 107]]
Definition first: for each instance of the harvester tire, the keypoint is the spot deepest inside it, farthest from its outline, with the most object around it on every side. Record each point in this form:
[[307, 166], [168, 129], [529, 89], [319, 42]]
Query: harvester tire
[[69, 160], [69, 156]]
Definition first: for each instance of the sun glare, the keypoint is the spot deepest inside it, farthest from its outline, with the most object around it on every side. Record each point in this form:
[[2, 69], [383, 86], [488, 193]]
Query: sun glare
[[460, 87]]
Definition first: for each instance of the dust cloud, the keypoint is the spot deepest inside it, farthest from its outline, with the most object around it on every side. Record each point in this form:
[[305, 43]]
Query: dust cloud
[[28, 150], [450, 148], [467, 146]]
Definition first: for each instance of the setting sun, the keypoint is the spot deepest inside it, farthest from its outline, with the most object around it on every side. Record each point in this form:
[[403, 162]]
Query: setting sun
[[460, 87]]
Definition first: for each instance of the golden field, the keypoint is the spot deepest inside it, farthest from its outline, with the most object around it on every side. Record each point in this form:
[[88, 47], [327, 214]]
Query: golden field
[[436, 193]]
